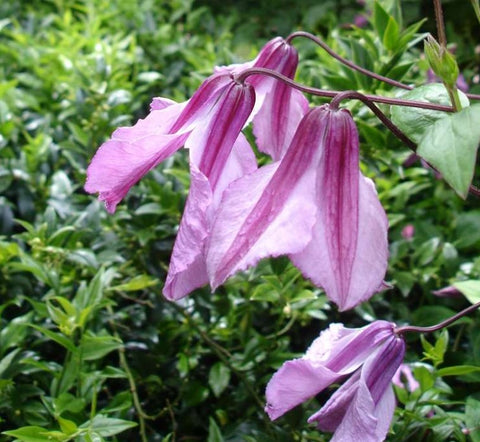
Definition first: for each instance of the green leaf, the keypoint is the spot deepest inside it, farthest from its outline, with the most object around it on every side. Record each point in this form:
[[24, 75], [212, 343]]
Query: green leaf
[[59, 339], [214, 433], [67, 426], [7, 360], [219, 378], [470, 289], [108, 426], [31, 434], [472, 418], [380, 19], [467, 231], [139, 282], [450, 145], [68, 402], [414, 121], [96, 347], [391, 35], [457, 370]]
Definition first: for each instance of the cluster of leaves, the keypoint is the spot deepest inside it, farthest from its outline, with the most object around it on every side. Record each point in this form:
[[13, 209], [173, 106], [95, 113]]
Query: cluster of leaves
[[88, 347]]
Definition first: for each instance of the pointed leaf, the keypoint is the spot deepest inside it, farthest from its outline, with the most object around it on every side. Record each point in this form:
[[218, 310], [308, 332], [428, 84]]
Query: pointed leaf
[[414, 121], [450, 145], [470, 289]]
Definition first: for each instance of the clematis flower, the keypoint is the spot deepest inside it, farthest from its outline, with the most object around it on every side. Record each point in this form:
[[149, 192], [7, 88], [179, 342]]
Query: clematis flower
[[313, 205], [208, 124], [364, 404]]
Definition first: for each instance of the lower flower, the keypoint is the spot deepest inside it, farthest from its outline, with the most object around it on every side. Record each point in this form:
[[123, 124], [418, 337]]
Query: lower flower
[[364, 404]]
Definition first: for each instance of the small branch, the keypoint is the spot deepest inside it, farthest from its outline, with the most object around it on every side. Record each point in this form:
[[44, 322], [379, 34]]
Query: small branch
[[473, 96], [366, 98], [379, 114], [443, 324], [442, 37], [346, 62], [332, 94], [131, 381]]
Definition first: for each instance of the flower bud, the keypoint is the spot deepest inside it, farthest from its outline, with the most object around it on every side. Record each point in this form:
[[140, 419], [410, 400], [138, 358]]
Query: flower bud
[[441, 61]]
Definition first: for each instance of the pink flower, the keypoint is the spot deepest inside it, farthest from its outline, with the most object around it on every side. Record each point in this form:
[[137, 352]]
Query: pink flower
[[408, 231], [314, 206], [404, 373], [209, 125], [362, 408]]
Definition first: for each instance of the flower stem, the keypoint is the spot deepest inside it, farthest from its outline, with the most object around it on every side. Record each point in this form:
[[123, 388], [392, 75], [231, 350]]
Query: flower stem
[[369, 100], [443, 324], [454, 97], [379, 114], [332, 94], [131, 380], [442, 37], [346, 62]]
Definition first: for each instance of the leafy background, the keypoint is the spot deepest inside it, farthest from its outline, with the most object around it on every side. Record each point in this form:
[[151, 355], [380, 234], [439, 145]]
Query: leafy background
[[89, 349]]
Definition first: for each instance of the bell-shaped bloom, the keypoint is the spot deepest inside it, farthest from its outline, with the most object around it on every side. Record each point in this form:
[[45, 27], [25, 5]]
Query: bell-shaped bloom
[[363, 406], [313, 205], [278, 108], [209, 124], [219, 154], [133, 151]]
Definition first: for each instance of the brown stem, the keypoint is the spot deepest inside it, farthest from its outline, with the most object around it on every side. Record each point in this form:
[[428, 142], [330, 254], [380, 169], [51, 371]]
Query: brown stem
[[442, 37], [380, 115], [346, 62], [443, 324], [332, 94]]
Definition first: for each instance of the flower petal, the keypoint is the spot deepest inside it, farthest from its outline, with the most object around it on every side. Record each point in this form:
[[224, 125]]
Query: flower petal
[[277, 120], [364, 404], [267, 213], [295, 382], [349, 250], [131, 152], [212, 140], [187, 270], [343, 350]]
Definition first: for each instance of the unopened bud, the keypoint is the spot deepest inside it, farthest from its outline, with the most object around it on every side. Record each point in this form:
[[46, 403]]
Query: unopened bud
[[441, 61]]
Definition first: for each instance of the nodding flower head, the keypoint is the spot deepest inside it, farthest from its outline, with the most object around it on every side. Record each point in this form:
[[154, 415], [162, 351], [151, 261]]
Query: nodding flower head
[[313, 205], [365, 360]]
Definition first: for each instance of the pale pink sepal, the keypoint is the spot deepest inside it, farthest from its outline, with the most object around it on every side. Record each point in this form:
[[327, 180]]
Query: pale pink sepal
[[219, 154], [131, 152], [348, 253], [268, 213], [277, 120], [187, 270]]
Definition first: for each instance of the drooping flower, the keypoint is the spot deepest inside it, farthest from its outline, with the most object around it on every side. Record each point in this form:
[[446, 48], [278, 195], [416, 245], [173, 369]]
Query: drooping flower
[[209, 124], [363, 406], [313, 205]]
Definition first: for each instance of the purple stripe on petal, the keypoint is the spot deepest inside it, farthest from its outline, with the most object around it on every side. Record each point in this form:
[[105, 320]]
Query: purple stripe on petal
[[211, 143], [338, 193], [348, 253], [252, 224], [200, 104]]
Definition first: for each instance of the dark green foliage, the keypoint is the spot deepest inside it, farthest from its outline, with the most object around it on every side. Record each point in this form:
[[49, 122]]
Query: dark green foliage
[[89, 349]]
